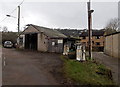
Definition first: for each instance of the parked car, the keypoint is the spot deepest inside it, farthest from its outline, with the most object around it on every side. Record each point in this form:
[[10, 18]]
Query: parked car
[[8, 44]]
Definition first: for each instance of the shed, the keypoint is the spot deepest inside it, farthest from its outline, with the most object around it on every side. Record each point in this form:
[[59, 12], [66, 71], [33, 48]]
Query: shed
[[42, 39]]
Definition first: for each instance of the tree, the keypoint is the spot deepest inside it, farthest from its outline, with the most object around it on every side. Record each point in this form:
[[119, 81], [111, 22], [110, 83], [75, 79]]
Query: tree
[[9, 36], [0, 28], [0, 36], [112, 26], [5, 29]]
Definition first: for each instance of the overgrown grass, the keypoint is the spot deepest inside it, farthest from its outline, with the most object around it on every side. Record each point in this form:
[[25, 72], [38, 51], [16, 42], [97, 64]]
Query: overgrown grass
[[0, 46], [87, 73]]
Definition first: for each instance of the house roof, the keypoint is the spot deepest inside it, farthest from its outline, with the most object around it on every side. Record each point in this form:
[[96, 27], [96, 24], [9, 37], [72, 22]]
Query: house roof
[[70, 32], [49, 32], [113, 33], [94, 33]]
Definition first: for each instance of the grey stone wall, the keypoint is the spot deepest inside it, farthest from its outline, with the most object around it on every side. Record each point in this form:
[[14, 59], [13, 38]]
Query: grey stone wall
[[42, 42]]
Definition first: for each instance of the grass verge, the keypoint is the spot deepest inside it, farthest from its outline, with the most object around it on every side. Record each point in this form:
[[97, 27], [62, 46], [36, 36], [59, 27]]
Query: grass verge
[[86, 73], [0, 46]]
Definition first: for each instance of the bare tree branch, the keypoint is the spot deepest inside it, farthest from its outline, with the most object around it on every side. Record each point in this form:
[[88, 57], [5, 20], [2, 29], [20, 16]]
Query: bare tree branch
[[112, 26]]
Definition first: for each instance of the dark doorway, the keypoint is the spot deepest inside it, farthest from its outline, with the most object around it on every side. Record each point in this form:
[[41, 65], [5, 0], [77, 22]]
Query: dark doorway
[[31, 41]]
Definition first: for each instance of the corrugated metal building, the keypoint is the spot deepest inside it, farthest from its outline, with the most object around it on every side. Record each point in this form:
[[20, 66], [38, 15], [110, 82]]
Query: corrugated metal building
[[42, 39]]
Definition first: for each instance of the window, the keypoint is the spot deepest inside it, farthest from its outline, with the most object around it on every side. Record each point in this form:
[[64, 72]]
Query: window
[[97, 37], [84, 43], [21, 40], [92, 42], [97, 43], [87, 43], [54, 44], [60, 41], [83, 37]]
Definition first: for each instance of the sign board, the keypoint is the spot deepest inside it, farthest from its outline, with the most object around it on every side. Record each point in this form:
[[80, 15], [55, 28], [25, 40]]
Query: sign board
[[53, 43], [60, 41]]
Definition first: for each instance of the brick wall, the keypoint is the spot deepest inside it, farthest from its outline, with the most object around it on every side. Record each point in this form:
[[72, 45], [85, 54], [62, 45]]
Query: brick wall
[[94, 41]]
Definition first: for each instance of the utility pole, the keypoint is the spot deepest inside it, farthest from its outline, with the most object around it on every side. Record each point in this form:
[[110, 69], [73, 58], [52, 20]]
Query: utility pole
[[90, 29], [18, 23]]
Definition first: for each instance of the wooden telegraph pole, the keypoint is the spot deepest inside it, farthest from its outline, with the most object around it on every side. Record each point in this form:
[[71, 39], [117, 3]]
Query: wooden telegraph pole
[[18, 24], [90, 29]]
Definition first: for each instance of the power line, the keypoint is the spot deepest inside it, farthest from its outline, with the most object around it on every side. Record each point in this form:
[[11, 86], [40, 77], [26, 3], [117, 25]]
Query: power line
[[23, 19], [21, 3], [17, 6], [12, 11], [3, 20], [6, 16]]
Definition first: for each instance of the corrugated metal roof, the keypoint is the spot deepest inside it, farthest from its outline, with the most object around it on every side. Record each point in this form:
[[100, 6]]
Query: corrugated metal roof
[[49, 32]]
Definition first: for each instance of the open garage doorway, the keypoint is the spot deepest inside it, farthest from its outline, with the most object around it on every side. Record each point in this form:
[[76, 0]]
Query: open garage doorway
[[31, 41]]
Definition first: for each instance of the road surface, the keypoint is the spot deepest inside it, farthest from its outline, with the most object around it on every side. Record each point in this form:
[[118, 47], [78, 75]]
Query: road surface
[[29, 67]]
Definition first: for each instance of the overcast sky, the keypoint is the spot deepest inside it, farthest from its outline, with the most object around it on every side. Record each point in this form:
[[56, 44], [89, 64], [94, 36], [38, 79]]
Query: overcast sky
[[53, 14]]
